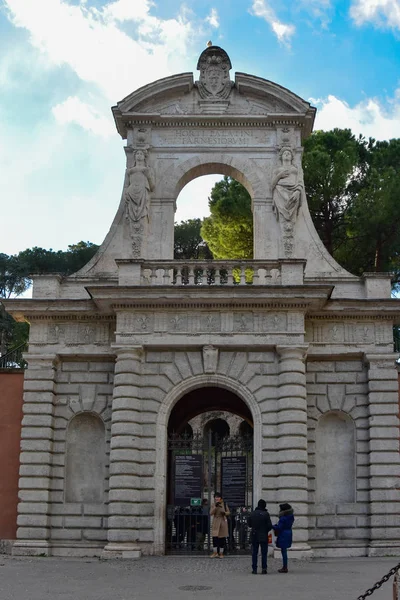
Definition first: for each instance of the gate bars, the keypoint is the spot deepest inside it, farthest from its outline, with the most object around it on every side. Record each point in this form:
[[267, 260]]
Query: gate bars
[[192, 484]]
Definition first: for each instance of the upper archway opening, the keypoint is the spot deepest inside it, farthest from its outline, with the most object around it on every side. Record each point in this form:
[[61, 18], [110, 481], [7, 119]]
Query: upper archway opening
[[216, 220]]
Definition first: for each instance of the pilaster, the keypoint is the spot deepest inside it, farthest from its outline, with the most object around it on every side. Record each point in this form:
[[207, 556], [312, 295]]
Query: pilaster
[[265, 231], [292, 441], [35, 481], [384, 454], [124, 492], [161, 230]]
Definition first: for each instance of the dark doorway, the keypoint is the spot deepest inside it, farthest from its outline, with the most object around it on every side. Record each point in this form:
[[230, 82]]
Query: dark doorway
[[203, 462]]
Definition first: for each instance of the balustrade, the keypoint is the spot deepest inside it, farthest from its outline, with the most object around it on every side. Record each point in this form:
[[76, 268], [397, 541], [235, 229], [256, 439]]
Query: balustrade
[[213, 273]]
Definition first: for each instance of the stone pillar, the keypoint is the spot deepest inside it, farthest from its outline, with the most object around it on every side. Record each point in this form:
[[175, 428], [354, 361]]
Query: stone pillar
[[384, 454], [124, 493], [35, 481], [265, 230], [161, 230], [292, 483]]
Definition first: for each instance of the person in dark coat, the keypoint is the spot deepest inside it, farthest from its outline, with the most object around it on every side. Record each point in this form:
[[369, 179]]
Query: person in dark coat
[[283, 531], [260, 523]]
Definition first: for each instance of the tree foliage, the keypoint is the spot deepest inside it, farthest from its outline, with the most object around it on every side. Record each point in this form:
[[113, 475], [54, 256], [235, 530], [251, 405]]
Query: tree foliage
[[15, 272], [333, 167], [188, 243], [229, 229]]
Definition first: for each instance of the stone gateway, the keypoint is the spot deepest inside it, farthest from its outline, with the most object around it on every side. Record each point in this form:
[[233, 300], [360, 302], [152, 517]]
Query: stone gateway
[[137, 344]]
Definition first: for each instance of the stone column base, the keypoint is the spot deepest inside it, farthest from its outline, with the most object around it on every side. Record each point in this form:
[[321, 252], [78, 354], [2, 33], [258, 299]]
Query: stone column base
[[299, 550], [119, 550], [31, 548], [384, 548]]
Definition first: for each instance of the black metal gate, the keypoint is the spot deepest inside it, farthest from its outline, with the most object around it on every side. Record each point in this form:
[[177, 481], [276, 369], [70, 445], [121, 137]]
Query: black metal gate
[[200, 465]]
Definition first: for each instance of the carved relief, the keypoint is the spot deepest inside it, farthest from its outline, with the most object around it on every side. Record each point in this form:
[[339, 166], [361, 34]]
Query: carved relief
[[211, 322], [214, 65], [78, 333], [142, 136], [287, 194], [178, 323], [273, 322], [56, 334], [139, 182]]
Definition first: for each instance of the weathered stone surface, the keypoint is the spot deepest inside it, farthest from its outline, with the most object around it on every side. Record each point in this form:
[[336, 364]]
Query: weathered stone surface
[[301, 357]]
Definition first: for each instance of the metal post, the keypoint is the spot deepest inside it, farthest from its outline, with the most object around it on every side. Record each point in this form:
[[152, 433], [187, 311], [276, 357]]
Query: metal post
[[209, 489], [396, 586]]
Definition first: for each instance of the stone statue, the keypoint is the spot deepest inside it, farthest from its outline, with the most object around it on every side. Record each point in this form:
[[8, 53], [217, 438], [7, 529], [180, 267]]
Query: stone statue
[[287, 189], [287, 193], [214, 65], [139, 182]]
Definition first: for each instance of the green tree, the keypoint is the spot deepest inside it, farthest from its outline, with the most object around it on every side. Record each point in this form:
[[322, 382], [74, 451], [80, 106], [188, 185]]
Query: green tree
[[334, 166], [228, 231], [15, 272], [373, 219], [188, 243]]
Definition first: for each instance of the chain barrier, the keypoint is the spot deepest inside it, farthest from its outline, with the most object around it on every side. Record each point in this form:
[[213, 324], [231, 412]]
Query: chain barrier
[[379, 583]]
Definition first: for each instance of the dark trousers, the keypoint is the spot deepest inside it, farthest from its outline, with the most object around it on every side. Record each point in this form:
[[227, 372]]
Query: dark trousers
[[264, 550], [284, 556], [218, 543]]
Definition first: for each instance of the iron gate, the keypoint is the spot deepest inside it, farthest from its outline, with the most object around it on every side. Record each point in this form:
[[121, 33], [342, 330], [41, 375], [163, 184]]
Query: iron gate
[[199, 466]]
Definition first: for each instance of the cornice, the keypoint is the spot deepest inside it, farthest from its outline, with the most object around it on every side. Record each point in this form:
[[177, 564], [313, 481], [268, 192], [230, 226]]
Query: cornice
[[33, 317], [349, 317], [228, 306]]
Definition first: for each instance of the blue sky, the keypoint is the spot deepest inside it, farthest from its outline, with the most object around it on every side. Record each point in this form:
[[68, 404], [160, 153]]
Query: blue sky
[[64, 63]]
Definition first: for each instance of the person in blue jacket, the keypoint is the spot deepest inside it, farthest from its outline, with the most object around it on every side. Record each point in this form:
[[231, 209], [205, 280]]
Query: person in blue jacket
[[283, 532]]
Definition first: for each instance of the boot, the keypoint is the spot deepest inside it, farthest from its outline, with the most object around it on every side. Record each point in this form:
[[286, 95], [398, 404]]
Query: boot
[[264, 571], [283, 570], [214, 555]]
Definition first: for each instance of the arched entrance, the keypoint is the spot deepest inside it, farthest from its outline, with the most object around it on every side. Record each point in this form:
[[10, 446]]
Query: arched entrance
[[204, 459]]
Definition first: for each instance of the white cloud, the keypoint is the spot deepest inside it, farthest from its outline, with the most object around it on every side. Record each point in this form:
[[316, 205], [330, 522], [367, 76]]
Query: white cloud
[[369, 117], [319, 9], [91, 43], [73, 110], [213, 18], [283, 31], [382, 13], [192, 202]]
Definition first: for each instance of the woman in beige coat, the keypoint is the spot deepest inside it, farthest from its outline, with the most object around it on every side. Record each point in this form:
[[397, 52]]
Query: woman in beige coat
[[219, 530]]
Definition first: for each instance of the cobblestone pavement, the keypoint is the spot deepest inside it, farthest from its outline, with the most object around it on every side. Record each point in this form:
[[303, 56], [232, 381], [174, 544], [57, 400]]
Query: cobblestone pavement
[[166, 578]]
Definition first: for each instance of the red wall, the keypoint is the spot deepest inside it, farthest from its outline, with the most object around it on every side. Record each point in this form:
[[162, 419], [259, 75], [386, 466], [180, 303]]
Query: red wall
[[11, 386]]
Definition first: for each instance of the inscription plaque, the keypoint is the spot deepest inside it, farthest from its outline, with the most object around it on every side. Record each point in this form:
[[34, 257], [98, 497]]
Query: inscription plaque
[[212, 137], [234, 470], [188, 478]]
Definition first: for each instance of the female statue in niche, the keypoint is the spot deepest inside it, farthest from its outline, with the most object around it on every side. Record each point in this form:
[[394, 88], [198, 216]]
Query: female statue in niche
[[287, 191], [139, 182]]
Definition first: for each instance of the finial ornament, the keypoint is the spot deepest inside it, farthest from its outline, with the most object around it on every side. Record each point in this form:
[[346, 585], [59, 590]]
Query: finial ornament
[[209, 44], [214, 65]]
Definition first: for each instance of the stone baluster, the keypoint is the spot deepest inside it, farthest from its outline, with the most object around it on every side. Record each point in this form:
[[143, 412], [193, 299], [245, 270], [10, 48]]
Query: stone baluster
[[384, 454], [124, 493], [35, 481], [292, 441]]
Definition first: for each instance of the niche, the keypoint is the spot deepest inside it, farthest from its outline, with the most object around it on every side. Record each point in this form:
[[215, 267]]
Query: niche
[[335, 459], [85, 460]]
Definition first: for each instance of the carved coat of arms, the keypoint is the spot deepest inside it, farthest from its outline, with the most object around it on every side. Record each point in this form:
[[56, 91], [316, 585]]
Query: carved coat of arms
[[214, 65]]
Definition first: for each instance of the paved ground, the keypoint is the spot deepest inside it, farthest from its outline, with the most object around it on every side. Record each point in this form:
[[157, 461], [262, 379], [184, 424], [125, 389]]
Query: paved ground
[[164, 578]]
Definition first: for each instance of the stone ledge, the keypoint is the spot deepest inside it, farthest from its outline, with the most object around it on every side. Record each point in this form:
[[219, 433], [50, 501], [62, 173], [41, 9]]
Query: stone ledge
[[121, 551]]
